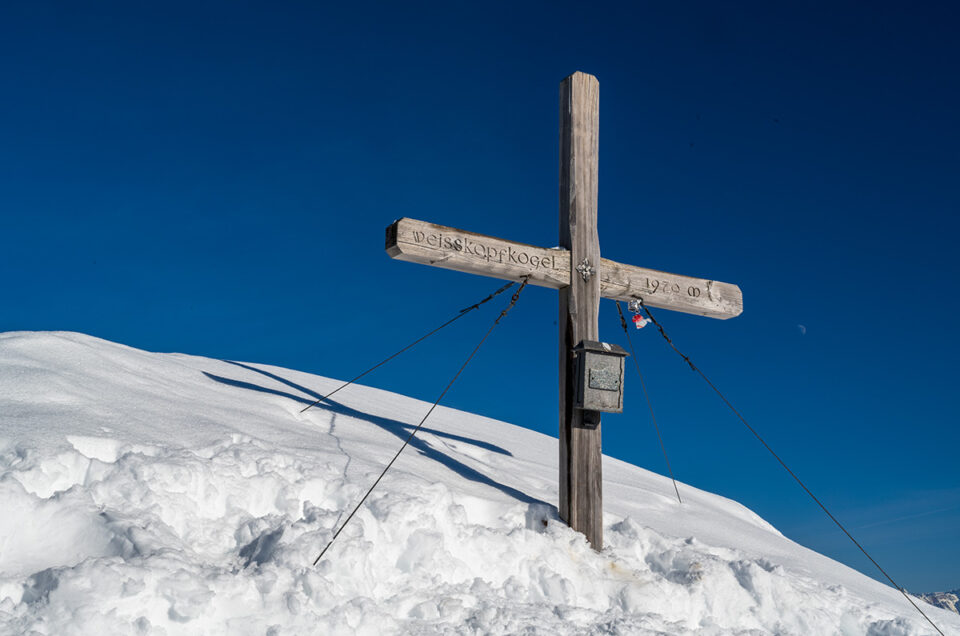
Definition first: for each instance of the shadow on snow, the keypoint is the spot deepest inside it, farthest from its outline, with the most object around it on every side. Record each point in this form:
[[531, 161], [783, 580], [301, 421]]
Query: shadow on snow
[[395, 427]]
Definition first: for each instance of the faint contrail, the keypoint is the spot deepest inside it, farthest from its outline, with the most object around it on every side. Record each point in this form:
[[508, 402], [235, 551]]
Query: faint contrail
[[919, 514]]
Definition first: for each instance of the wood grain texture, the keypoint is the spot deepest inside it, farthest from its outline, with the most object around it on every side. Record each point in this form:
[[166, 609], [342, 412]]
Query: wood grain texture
[[451, 248], [581, 499], [675, 292]]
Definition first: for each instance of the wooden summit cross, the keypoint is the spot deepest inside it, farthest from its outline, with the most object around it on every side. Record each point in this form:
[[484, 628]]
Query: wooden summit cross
[[576, 269]]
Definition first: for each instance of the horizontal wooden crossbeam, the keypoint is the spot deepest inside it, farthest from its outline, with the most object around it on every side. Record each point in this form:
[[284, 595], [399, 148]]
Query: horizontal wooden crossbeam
[[450, 248]]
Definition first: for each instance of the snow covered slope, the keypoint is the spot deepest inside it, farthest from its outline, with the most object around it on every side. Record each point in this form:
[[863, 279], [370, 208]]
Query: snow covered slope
[[171, 494]]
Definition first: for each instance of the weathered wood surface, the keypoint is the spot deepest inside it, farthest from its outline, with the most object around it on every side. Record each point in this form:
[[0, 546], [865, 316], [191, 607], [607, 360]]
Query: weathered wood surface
[[676, 292], [450, 248], [581, 489], [460, 250]]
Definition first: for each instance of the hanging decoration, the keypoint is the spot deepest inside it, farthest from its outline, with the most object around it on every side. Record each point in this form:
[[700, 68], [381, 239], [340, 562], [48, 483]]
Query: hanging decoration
[[639, 320]]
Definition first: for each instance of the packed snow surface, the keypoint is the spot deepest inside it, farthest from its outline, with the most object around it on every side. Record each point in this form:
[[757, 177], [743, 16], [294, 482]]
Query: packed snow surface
[[171, 494]]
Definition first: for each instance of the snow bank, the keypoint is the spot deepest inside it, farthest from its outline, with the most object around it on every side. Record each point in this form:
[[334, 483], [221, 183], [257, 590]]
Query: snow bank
[[145, 493]]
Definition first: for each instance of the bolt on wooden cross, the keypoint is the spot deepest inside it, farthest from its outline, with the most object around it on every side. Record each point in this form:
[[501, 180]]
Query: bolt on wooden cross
[[582, 277]]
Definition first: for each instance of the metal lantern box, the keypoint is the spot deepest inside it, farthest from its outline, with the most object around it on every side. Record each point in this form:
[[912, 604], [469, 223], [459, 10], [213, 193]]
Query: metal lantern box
[[599, 377]]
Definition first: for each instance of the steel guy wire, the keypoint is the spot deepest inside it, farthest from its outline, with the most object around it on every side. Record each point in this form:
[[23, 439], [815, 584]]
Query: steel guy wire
[[463, 312], [503, 313], [643, 385], [782, 463]]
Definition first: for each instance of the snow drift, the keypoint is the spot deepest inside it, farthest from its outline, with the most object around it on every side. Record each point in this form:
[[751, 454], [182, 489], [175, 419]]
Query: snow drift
[[169, 494]]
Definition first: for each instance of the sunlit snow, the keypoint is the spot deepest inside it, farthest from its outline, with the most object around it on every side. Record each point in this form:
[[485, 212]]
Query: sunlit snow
[[171, 494]]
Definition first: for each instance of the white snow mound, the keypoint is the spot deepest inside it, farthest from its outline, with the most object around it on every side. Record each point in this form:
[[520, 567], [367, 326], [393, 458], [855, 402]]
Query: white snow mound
[[145, 493]]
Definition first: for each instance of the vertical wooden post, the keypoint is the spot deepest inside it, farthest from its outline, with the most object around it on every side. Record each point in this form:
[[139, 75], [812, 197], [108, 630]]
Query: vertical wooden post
[[581, 502]]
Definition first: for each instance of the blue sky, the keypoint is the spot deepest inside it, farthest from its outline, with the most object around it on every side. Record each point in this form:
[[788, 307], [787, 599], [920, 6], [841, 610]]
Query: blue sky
[[215, 179]]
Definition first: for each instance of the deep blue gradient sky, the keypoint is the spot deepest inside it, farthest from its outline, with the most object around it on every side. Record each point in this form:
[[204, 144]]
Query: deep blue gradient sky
[[215, 179]]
